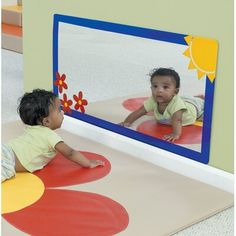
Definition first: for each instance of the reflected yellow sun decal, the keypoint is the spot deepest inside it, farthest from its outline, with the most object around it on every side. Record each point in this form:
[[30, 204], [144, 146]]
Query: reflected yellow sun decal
[[203, 56]]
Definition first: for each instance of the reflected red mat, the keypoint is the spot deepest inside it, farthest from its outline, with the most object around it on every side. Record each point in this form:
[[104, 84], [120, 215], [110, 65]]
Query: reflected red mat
[[66, 212], [133, 104], [191, 134], [63, 172]]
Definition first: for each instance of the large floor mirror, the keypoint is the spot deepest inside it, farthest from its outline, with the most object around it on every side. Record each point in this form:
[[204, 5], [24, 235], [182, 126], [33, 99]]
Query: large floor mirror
[[101, 73]]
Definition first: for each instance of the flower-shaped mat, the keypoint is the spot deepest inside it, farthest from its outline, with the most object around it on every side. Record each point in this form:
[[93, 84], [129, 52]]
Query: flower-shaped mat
[[66, 212]]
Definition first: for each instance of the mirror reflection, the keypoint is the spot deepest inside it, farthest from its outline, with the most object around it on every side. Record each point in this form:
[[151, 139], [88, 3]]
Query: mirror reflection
[[151, 86]]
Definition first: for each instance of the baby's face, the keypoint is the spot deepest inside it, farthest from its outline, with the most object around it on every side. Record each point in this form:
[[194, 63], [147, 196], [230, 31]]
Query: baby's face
[[56, 115], [163, 89]]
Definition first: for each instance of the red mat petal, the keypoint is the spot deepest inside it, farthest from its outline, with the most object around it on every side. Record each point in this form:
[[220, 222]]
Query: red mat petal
[[133, 104], [65, 212], [63, 172], [191, 134]]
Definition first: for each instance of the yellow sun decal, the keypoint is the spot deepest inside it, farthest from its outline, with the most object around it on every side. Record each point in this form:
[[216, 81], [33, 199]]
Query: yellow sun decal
[[203, 56]]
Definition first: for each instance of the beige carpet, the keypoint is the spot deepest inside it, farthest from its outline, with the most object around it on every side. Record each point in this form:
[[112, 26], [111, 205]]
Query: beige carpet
[[159, 202]]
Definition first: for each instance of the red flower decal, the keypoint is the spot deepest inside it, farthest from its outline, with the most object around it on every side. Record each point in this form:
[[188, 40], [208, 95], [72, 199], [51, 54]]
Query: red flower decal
[[80, 102], [60, 82], [66, 103]]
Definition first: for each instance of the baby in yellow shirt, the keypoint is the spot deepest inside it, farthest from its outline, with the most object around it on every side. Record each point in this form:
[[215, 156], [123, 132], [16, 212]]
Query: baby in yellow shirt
[[168, 107], [41, 112]]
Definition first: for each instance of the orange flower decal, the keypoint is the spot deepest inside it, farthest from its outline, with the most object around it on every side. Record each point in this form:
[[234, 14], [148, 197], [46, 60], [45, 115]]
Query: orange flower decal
[[80, 102], [60, 82], [66, 103]]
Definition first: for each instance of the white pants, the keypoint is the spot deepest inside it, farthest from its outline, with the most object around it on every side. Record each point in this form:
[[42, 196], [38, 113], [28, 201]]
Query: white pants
[[198, 103], [7, 163]]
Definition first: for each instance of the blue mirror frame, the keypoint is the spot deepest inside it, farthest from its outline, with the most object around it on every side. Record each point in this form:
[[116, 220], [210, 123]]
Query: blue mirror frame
[[203, 155]]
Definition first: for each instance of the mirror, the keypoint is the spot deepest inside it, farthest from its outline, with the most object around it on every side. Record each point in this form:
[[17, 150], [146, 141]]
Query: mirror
[[101, 74]]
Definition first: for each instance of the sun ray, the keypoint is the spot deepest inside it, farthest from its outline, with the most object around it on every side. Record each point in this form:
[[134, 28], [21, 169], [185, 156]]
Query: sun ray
[[211, 77], [200, 74], [188, 39], [187, 52], [191, 65]]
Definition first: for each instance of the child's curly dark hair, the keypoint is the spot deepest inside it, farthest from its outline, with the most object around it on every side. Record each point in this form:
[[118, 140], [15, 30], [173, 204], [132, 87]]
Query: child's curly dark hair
[[34, 106], [166, 72]]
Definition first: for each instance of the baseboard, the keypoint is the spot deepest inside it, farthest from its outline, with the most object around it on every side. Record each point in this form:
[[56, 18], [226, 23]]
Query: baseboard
[[176, 163]]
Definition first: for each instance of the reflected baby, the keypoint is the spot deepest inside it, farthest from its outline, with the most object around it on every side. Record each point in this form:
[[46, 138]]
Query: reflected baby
[[168, 106]]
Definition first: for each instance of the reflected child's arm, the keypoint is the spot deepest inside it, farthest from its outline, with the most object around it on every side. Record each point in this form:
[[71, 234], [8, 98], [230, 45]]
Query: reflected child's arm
[[176, 123], [133, 116], [76, 156]]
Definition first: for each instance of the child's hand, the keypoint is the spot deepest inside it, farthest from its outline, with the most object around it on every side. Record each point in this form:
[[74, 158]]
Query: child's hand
[[95, 163], [171, 137], [125, 124]]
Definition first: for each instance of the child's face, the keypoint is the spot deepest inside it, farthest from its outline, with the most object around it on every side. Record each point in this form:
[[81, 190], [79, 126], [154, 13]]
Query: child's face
[[56, 115], [163, 89]]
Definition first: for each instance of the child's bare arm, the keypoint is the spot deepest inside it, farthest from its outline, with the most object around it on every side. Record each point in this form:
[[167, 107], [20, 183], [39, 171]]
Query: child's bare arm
[[133, 116], [76, 156], [176, 123]]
